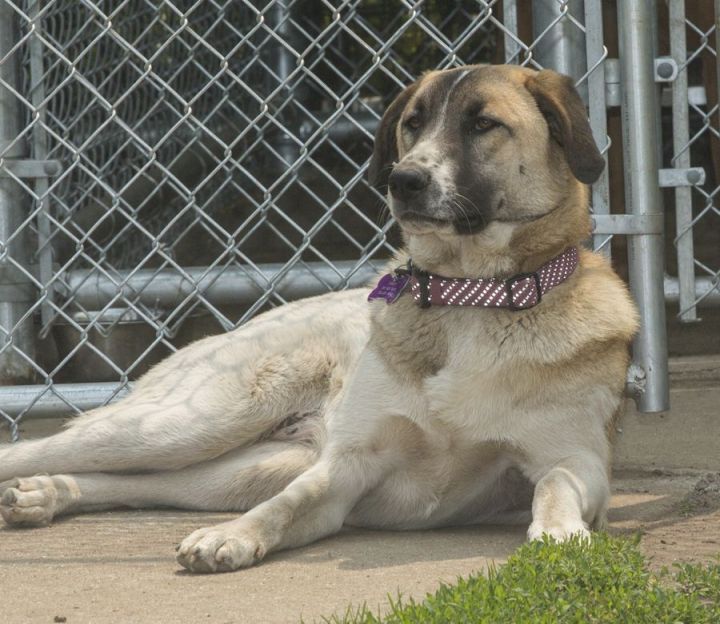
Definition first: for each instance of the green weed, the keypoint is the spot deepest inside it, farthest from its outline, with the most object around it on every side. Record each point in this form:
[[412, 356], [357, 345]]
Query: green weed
[[598, 581]]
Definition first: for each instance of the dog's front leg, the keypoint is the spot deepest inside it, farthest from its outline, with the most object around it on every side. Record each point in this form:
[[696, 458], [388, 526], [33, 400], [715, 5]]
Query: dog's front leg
[[313, 506], [316, 503], [570, 497]]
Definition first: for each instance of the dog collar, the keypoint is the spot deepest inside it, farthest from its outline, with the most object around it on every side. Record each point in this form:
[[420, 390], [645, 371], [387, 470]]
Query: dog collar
[[519, 292]]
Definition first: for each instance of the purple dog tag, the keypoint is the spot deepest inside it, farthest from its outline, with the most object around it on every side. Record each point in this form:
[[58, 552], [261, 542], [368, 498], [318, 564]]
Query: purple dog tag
[[390, 287]]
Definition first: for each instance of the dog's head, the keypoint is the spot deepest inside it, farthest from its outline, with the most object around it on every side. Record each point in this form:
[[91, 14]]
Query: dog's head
[[460, 149]]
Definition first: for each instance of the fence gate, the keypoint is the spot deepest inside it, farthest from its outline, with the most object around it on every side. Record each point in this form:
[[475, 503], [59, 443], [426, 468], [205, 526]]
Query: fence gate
[[170, 169]]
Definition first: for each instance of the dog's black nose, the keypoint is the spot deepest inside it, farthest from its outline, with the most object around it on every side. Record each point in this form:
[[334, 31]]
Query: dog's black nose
[[406, 182]]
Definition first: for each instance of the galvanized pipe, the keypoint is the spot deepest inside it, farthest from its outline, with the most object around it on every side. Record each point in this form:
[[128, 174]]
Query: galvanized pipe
[[510, 22], [681, 160], [706, 291], [40, 402], [282, 63], [40, 152], [642, 196], [562, 47], [167, 288], [595, 49], [17, 293]]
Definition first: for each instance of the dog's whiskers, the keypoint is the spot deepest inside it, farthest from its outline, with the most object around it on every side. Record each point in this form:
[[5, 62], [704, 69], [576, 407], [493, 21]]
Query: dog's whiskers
[[384, 213], [459, 198], [462, 211]]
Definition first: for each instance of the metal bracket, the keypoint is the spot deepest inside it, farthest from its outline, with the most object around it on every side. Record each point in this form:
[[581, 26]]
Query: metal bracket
[[630, 224], [668, 178], [10, 167], [666, 69], [612, 82], [635, 381]]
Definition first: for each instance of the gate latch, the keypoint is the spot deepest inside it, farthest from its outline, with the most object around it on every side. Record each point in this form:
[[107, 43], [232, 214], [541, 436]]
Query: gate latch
[[668, 178], [29, 168]]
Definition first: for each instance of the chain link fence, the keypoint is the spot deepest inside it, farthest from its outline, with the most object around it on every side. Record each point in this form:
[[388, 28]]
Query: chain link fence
[[695, 140], [170, 169]]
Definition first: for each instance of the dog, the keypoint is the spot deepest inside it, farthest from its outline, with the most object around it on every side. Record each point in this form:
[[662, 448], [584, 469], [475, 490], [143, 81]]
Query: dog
[[428, 406]]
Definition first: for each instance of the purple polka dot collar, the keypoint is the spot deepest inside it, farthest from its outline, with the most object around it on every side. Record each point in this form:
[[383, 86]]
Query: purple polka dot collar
[[519, 292]]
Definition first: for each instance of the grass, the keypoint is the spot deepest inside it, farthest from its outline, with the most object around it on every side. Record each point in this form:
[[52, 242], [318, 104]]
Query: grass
[[603, 580]]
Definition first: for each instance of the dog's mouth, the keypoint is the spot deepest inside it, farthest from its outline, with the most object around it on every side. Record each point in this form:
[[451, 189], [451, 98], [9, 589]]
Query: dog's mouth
[[442, 214], [470, 224], [461, 224], [412, 216]]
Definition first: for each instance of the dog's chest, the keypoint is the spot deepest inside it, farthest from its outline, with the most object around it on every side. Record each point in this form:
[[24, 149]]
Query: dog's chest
[[463, 368], [480, 407], [412, 343]]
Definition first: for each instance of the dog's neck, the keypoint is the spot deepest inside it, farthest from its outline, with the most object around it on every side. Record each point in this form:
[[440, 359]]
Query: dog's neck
[[502, 249]]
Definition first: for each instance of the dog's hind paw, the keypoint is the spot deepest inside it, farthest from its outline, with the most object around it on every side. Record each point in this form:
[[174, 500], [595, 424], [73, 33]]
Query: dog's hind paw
[[33, 501], [222, 548]]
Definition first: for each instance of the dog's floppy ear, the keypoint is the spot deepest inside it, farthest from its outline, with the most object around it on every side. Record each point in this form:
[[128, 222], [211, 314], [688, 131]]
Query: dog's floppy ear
[[385, 152], [560, 103]]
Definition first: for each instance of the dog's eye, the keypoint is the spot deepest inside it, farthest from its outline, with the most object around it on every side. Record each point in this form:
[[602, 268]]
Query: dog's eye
[[483, 124], [413, 122]]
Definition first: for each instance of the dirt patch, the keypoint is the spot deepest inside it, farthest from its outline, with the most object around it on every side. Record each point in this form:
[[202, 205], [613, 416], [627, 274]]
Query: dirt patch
[[678, 515], [704, 497], [688, 539]]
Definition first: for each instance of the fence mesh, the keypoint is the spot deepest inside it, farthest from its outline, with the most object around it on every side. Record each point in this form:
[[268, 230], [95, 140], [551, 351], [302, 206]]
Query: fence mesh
[[695, 141], [198, 157]]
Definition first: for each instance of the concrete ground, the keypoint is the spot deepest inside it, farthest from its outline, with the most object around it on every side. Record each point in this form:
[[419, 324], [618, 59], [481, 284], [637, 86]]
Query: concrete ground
[[119, 566]]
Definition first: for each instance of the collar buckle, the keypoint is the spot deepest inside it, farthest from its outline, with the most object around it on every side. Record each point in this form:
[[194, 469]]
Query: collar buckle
[[515, 294]]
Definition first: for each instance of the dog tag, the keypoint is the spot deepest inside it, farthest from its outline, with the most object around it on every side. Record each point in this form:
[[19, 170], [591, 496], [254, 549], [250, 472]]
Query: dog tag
[[390, 287]]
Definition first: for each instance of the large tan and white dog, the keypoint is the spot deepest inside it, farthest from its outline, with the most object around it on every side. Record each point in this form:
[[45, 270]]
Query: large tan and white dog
[[334, 410]]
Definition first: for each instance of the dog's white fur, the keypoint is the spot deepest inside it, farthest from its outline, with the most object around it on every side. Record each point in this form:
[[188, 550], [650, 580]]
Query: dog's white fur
[[332, 410]]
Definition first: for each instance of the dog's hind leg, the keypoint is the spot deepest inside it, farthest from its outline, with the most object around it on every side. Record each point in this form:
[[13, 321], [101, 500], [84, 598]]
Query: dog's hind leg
[[215, 395], [236, 481], [144, 433], [141, 434]]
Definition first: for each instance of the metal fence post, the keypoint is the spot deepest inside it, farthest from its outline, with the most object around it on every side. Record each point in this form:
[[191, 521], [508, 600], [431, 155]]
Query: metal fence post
[[681, 149], [642, 196], [17, 293], [39, 152], [561, 44], [282, 63], [510, 21], [597, 109]]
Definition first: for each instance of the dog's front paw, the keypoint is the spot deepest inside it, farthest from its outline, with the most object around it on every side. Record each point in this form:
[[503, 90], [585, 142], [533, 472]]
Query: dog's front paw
[[34, 501], [222, 548], [560, 531]]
